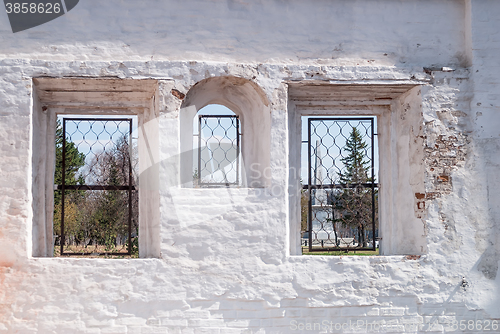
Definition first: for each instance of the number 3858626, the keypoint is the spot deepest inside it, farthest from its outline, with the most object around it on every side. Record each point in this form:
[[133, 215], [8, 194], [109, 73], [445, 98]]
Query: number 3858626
[[33, 8]]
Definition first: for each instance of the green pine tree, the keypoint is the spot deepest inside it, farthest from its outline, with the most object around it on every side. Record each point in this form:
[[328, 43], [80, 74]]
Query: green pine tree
[[357, 167], [354, 204], [74, 161]]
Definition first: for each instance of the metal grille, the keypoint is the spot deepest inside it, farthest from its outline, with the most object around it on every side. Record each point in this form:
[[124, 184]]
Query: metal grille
[[95, 197], [218, 151], [342, 192]]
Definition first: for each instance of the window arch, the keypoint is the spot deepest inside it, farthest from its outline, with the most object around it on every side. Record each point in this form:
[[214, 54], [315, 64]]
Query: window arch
[[249, 103]]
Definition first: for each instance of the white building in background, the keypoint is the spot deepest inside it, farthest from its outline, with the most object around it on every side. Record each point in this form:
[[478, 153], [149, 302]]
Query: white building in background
[[228, 260], [322, 211]]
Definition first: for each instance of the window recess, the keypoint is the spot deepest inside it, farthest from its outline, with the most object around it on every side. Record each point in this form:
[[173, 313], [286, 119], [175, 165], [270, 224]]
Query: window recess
[[388, 193], [100, 137]]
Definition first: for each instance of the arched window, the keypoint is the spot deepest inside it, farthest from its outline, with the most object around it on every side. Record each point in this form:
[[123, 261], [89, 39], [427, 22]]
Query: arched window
[[234, 149]]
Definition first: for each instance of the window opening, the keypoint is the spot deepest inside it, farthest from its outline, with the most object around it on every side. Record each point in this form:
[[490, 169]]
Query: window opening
[[95, 198], [339, 202], [217, 148]]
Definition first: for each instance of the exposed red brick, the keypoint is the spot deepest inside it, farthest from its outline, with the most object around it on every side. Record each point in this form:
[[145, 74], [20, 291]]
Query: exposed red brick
[[178, 94], [419, 195], [443, 178]]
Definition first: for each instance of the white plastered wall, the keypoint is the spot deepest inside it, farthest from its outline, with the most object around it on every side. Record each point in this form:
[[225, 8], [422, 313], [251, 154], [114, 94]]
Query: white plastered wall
[[401, 176], [43, 129], [226, 249], [206, 281]]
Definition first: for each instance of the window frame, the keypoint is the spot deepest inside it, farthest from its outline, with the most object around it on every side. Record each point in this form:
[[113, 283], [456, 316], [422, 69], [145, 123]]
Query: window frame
[[312, 188], [98, 97], [397, 107], [129, 187], [203, 118]]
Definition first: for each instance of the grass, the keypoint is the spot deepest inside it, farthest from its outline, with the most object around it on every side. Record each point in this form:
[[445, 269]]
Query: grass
[[98, 251], [305, 251]]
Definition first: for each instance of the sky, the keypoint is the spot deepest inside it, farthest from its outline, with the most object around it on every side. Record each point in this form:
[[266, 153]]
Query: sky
[[332, 138], [93, 136]]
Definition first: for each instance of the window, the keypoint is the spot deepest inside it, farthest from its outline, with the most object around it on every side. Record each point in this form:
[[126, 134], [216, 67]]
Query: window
[[339, 172], [334, 110], [246, 161], [217, 143], [99, 137], [95, 196]]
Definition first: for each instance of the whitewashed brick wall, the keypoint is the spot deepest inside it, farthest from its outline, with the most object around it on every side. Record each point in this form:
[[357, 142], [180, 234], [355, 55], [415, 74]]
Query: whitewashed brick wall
[[225, 265]]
